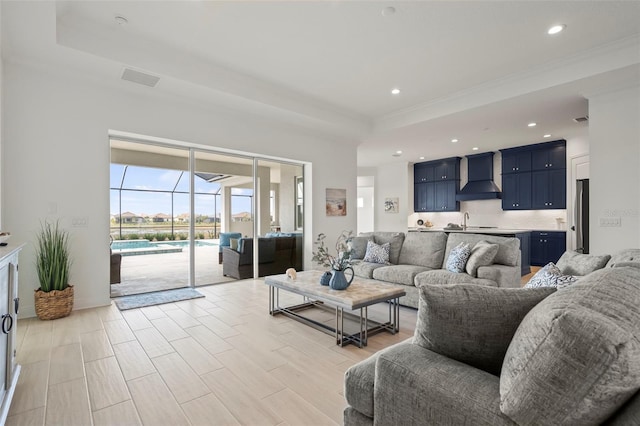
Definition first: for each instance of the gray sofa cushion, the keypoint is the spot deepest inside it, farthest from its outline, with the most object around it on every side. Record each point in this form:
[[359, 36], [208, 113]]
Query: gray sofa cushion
[[482, 254], [417, 387], [441, 276], [423, 249], [395, 240], [626, 255], [508, 247], [575, 358], [353, 417], [629, 414], [574, 263], [365, 269], [359, 246], [398, 274], [472, 324]]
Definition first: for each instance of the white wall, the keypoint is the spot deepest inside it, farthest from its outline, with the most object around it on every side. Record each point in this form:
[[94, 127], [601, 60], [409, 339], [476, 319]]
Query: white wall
[[393, 181], [614, 131], [56, 162]]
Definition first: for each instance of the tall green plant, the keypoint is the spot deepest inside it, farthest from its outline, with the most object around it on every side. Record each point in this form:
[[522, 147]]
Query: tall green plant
[[52, 257]]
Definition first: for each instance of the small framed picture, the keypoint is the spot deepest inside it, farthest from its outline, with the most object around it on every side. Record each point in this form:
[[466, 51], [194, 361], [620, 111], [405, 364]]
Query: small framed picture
[[336, 202], [391, 205]]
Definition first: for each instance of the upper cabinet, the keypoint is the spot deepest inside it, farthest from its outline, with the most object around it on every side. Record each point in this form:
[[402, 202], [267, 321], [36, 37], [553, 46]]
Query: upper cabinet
[[534, 176], [436, 184]]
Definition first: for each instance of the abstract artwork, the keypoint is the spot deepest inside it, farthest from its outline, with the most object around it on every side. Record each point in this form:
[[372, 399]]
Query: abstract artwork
[[336, 202], [391, 205]]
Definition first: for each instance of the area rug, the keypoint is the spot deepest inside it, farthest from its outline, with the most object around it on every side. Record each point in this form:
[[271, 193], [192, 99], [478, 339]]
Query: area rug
[[156, 298]]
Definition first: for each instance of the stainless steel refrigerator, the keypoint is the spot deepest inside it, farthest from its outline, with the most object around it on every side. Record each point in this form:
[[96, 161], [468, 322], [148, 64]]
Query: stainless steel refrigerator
[[581, 212]]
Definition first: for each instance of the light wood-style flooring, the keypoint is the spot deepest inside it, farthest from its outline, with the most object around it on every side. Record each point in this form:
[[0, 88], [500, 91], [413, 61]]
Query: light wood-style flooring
[[217, 360]]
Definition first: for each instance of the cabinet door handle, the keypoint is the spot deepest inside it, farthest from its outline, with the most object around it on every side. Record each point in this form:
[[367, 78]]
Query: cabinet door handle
[[550, 165], [16, 305], [6, 329]]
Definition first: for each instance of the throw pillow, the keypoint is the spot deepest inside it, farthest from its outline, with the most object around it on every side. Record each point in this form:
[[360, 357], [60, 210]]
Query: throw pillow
[[575, 358], [550, 276], [471, 323], [574, 263], [358, 246], [482, 254], [233, 244], [377, 253], [458, 258]]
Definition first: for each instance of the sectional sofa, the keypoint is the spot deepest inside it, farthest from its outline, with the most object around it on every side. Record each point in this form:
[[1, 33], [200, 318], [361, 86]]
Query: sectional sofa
[[524, 356], [417, 258], [277, 253]]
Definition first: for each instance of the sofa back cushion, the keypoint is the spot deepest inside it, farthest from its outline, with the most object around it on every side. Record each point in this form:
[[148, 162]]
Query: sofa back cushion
[[471, 323], [626, 255], [358, 246], [395, 240], [423, 249], [575, 358], [508, 247], [574, 263]]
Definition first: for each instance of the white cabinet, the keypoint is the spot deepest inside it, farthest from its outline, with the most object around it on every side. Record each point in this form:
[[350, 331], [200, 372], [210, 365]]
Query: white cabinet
[[9, 307]]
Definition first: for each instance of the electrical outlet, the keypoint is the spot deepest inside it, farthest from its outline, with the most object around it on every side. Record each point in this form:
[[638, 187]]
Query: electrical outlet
[[610, 222], [79, 222]]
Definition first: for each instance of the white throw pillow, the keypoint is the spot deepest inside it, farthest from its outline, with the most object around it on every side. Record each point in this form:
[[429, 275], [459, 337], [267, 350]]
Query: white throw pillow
[[377, 253], [458, 257], [550, 276]]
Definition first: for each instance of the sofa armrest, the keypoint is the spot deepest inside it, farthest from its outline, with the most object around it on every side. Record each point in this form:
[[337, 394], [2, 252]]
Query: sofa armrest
[[233, 257], [415, 386], [505, 276]]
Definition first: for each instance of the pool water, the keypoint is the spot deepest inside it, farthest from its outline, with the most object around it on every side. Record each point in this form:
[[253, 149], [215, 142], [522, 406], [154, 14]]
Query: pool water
[[142, 246]]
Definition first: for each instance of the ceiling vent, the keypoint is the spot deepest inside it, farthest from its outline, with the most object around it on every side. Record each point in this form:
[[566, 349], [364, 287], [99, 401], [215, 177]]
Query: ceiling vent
[[581, 119], [140, 77]]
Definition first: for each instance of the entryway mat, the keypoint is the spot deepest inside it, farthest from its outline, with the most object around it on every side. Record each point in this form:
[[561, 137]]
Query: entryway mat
[[156, 298]]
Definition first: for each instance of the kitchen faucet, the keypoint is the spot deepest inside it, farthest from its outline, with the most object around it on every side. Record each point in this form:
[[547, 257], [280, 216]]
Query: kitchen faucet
[[464, 220]]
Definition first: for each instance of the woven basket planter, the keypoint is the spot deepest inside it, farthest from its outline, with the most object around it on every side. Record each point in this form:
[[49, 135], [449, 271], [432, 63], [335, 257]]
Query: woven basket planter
[[54, 304]]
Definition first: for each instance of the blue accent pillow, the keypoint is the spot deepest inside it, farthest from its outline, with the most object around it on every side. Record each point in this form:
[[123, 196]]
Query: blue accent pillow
[[458, 257], [377, 253], [550, 276]]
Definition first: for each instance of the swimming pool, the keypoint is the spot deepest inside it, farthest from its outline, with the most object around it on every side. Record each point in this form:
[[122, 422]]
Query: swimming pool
[[143, 246]]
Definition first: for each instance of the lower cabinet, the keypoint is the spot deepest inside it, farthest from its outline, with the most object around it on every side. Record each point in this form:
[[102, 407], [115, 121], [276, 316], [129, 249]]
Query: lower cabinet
[[9, 306], [547, 246]]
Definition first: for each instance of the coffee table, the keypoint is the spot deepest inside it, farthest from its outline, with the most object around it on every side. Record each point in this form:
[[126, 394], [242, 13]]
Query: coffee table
[[361, 294]]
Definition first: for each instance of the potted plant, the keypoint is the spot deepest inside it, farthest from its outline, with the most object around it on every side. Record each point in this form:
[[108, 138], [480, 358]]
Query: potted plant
[[338, 263], [54, 298]]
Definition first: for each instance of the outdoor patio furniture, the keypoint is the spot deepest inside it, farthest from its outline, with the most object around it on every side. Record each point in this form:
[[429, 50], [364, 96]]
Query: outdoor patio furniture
[[225, 241]]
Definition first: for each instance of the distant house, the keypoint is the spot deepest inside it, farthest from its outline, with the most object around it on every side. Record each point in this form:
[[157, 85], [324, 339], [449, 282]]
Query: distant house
[[128, 217], [183, 218], [161, 217], [241, 217]]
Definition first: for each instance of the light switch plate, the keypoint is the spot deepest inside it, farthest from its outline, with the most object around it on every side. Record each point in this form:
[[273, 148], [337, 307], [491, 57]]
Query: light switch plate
[[610, 222]]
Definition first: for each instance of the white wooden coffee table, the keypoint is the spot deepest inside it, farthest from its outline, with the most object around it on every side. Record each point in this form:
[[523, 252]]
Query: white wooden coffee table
[[361, 294]]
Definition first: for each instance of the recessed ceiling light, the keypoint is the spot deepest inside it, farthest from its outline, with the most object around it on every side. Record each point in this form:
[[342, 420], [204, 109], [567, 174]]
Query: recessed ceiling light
[[422, 158], [454, 140], [395, 91], [121, 20], [547, 135], [475, 148], [532, 124], [398, 152], [388, 11], [556, 29]]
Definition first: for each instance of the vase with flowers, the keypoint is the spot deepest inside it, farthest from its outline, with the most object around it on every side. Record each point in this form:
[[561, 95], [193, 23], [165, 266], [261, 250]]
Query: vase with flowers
[[339, 263]]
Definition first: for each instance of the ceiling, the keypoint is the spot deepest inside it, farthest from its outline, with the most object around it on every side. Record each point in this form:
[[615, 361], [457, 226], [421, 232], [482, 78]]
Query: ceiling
[[478, 71]]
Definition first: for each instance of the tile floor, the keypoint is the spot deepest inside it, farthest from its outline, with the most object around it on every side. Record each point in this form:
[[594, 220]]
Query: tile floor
[[215, 360]]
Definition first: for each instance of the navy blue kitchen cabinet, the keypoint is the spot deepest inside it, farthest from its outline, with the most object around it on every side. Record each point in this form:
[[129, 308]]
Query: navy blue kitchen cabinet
[[436, 184], [534, 176], [547, 246], [549, 189], [516, 161], [516, 191]]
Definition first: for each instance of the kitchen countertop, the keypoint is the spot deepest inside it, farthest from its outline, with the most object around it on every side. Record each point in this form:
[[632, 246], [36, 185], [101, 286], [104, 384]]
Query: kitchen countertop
[[472, 230]]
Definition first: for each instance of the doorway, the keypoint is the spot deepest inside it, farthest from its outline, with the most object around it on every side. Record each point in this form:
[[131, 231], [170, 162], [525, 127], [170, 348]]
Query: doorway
[[170, 205]]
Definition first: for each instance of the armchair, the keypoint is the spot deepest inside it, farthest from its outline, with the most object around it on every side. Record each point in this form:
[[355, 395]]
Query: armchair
[[225, 241]]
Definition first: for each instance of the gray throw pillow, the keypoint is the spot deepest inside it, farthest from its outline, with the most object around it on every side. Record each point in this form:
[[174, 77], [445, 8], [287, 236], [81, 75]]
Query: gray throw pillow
[[471, 323], [574, 263], [575, 358], [482, 254], [458, 258], [359, 246]]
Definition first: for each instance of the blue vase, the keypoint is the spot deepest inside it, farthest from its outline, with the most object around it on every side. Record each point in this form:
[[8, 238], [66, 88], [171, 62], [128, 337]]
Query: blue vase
[[325, 278], [339, 280]]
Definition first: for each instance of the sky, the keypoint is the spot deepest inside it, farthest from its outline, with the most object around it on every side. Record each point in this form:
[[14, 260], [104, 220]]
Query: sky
[[144, 180]]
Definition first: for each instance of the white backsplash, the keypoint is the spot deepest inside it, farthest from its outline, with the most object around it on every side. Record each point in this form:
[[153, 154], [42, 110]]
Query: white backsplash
[[490, 213]]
